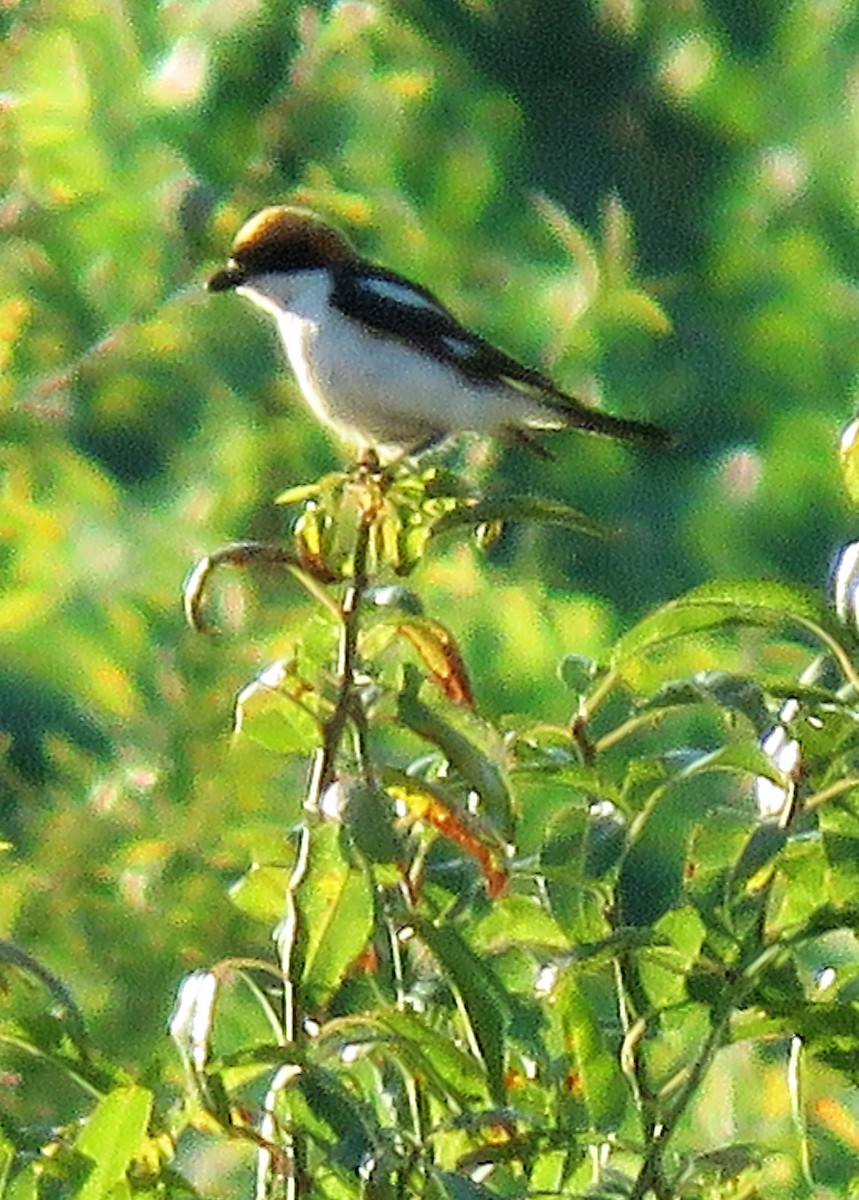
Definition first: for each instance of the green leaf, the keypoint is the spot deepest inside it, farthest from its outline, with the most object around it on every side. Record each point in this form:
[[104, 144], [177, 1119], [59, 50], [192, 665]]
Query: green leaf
[[596, 1061], [743, 758], [724, 1164], [336, 914], [763, 845], [477, 769], [714, 606], [841, 845], [577, 672], [636, 308], [278, 725], [652, 869], [25, 1185], [736, 693], [578, 848], [522, 508], [461, 1187], [850, 460], [520, 921], [112, 1137], [261, 892], [332, 1103], [447, 1068], [485, 1004], [651, 872], [651, 877], [369, 816], [300, 493], [13, 955]]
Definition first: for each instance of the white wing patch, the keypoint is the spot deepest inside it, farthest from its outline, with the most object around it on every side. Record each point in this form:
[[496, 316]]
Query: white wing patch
[[461, 348], [401, 294]]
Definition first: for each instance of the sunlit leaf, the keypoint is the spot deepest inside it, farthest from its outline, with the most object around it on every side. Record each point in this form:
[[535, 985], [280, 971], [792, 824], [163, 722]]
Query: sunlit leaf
[[440, 655], [447, 1067], [636, 308], [850, 460], [112, 1137], [261, 892], [534, 509], [274, 711], [478, 770], [311, 543], [714, 606], [336, 912], [519, 921], [482, 996], [596, 1066], [300, 493], [572, 238], [25, 1185]]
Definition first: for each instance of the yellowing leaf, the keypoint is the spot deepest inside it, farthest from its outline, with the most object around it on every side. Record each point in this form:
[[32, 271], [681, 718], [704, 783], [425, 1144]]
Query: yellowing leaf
[[441, 656], [850, 460]]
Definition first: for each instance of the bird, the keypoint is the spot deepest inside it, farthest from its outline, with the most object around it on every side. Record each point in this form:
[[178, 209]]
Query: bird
[[380, 360]]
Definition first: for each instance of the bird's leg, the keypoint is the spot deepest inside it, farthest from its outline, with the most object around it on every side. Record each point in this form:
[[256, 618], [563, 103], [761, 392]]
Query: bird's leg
[[428, 443], [368, 463], [411, 457], [369, 466], [528, 441]]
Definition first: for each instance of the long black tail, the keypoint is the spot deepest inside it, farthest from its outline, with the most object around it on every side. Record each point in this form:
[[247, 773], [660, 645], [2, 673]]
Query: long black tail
[[575, 415], [595, 421]]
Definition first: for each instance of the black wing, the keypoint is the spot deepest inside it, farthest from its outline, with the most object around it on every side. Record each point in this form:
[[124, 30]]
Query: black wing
[[393, 306]]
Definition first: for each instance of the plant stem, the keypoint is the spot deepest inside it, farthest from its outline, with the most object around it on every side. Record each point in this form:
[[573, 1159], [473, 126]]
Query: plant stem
[[633, 1008], [797, 1110], [651, 1176], [325, 763], [323, 775]]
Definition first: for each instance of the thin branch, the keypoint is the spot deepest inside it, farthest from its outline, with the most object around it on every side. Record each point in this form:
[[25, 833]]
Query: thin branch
[[651, 1176], [633, 1006], [649, 720], [830, 793], [325, 764], [323, 774]]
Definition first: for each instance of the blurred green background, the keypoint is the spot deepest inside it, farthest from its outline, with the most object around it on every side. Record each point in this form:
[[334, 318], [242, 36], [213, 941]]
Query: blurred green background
[[657, 202]]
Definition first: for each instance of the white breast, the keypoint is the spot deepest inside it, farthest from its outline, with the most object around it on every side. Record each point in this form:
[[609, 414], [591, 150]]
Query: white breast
[[373, 390]]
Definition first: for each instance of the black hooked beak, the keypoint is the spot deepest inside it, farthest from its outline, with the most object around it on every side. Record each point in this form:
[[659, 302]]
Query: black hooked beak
[[229, 277]]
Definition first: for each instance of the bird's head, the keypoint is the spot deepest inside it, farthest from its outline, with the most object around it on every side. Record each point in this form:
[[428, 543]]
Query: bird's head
[[280, 239]]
